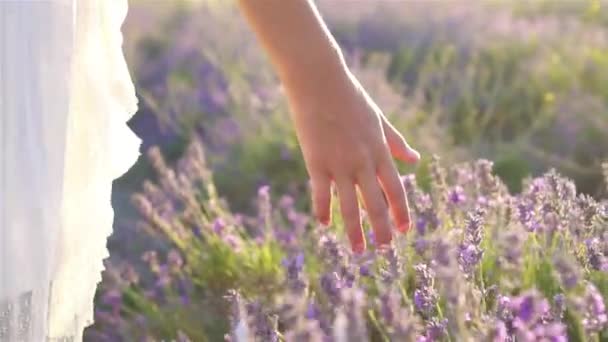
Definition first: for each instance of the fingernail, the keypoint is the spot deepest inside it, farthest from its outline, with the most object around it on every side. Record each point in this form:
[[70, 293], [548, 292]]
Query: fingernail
[[384, 241], [359, 247], [404, 227]]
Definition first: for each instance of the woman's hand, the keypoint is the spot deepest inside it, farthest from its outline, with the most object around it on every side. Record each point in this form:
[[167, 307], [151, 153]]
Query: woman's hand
[[344, 137], [347, 140]]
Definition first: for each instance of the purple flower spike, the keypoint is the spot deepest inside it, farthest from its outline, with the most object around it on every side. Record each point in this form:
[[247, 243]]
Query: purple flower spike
[[264, 192], [330, 284], [293, 267], [567, 272], [113, 298], [370, 238], [595, 255], [218, 225], [531, 319], [595, 317], [421, 223], [312, 312], [525, 308], [364, 271], [196, 230], [436, 329], [286, 202], [300, 260], [421, 245], [175, 260], [456, 195], [425, 296], [499, 332]]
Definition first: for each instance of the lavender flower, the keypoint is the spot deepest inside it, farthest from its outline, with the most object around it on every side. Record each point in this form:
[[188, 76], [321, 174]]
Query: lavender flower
[[528, 316], [456, 195], [588, 208], [470, 252], [436, 330], [562, 188], [497, 332], [364, 271], [174, 261], [113, 298], [594, 311], [488, 184], [567, 272], [371, 240], [218, 225], [401, 324], [390, 270], [595, 255], [151, 258], [559, 307], [421, 223], [346, 297], [512, 242], [293, 267], [355, 329], [469, 256], [330, 283], [261, 323], [183, 290], [439, 185], [421, 245], [442, 254], [331, 249], [425, 296], [525, 212]]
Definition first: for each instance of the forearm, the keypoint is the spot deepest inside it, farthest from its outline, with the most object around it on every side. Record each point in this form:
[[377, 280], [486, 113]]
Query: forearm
[[345, 140], [296, 39]]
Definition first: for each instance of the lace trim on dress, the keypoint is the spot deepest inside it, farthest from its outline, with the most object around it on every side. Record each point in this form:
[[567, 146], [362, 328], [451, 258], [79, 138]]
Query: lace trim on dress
[[16, 320]]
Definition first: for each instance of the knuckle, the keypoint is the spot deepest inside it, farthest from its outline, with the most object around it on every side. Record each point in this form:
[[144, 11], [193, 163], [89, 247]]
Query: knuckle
[[393, 189], [402, 216], [320, 209], [386, 166], [321, 197], [376, 211], [385, 241], [355, 160], [397, 196], [350, 212], [405, 212]]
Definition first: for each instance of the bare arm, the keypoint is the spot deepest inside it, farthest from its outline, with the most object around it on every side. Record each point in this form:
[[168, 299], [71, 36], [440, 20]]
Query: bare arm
[[345, 138], [295, 37]]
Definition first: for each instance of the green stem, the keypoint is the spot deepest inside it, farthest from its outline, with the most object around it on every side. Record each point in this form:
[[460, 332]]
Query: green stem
[[377, 325]]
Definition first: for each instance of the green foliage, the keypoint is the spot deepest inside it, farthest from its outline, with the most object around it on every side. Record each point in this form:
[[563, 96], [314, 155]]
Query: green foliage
[[512, 169], [263, 158], [576, 331], [528, 103]]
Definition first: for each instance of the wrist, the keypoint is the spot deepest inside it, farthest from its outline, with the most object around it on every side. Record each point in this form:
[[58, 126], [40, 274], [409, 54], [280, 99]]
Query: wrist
[[315, 74]]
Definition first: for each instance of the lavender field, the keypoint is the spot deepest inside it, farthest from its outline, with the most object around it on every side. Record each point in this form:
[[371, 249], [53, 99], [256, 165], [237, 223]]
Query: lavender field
[[508, 105]]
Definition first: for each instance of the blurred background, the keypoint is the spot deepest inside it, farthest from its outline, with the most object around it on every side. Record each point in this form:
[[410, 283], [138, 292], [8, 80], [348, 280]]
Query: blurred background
[[521, 83]]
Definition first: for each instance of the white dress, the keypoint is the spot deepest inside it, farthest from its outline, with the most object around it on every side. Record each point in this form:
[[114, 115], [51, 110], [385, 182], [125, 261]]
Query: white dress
[[65, 97]]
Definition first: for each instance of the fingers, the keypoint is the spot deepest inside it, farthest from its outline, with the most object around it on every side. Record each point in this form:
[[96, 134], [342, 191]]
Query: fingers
[[376, 207], [349, 207], [395, 193], [321, 197], [399, 148]]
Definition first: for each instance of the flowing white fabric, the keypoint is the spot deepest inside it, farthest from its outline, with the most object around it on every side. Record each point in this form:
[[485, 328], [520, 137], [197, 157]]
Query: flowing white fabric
[[65, 97]]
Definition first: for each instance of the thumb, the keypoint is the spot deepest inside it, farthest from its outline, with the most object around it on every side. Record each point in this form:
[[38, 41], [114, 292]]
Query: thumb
[[399, 148]]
